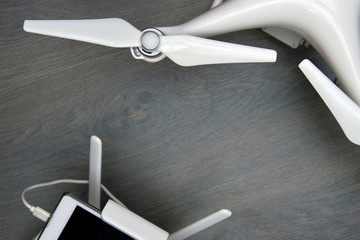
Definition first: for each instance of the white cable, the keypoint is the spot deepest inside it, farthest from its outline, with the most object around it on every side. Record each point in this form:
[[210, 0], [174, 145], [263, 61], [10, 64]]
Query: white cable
[[44, 215]]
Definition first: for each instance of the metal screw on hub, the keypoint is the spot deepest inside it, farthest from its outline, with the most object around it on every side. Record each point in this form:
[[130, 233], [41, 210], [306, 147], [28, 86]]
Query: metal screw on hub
[[150, 41]]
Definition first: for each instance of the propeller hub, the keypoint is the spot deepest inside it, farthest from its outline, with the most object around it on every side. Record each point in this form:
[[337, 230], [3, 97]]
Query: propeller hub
[[149, 49], [150, 41]]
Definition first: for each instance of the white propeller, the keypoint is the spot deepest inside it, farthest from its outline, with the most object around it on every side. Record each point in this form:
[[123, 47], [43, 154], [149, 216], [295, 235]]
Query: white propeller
[[190, 51], [182, 49]]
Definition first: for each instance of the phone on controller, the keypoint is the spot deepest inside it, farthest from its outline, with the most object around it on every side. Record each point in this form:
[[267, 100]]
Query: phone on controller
[[75, 219]]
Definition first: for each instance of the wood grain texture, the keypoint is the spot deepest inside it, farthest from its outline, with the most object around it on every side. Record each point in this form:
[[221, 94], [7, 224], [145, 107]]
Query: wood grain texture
[[178, 143]]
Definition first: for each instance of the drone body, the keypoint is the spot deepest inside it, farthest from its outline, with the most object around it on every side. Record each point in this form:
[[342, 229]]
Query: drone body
[[330, 26]]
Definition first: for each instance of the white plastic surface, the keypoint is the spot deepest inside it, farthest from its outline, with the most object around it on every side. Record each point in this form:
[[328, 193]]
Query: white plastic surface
[[111, 32], [346, 111], [191, 51], [131, 224], [200, 225], [331, 26], [95, 171], [216, 3], [285, 35], [150, 40]]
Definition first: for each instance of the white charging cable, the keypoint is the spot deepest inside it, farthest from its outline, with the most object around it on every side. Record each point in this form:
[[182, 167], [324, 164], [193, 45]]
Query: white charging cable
[[42, 214]]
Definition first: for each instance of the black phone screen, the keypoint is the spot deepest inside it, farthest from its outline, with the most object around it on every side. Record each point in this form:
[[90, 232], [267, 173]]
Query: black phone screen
[[84, 225]]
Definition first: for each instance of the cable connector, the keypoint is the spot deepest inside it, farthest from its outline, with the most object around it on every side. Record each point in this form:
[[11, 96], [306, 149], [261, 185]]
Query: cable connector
[[40, 213], [43, 215]]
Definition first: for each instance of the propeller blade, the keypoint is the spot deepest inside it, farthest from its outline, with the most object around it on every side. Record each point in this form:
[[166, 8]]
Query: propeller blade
[[191, 51], [111, 32]]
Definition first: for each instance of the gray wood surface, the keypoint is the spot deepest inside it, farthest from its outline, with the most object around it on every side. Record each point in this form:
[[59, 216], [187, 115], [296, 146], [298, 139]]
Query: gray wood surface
[[178, 143]]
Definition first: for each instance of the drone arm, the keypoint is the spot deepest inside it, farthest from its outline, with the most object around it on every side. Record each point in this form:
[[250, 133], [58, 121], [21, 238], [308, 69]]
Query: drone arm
[[346, 111], [330, 27], [227, 17]]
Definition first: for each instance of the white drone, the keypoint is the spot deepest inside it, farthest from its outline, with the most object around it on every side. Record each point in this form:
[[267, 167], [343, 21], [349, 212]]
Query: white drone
[[330, 26]]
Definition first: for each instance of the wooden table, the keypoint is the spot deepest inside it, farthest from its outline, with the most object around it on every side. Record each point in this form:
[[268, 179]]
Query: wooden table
[[178, 143]]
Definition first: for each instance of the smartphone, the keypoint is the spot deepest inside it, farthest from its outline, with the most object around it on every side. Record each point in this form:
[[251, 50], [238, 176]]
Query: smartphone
[[74, 219]]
